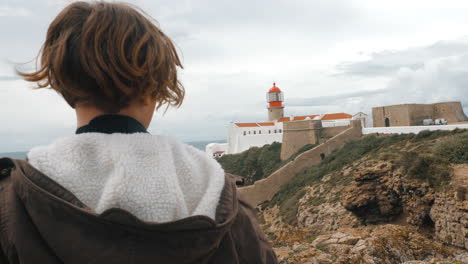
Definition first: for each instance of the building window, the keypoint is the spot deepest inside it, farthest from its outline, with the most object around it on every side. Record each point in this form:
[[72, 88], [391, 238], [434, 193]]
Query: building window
[[259, 131], [269, 131], [280, 130], [245, 133], [255, 132], [249, 132], [275, 130]]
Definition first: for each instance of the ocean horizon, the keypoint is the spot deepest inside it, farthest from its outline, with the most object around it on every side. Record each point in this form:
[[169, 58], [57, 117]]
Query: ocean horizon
[[198, 144]]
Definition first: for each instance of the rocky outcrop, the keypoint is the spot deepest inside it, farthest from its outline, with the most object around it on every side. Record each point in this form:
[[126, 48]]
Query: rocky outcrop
[[318, 210], [450, 215], [387, 207], [379, 193], [377, 216], [386, 244]]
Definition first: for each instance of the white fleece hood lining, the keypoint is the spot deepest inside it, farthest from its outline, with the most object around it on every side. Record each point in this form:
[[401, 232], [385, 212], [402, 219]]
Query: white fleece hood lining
[[153, 177]]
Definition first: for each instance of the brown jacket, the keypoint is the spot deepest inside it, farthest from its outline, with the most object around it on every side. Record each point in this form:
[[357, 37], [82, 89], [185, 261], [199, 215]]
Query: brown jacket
[[41, 222]]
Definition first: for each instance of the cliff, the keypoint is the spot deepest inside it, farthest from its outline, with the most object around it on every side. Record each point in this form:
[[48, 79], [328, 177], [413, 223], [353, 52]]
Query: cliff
[[394, 199]]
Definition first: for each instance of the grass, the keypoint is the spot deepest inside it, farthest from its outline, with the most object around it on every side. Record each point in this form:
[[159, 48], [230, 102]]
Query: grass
[[433, 169], [454, 148]]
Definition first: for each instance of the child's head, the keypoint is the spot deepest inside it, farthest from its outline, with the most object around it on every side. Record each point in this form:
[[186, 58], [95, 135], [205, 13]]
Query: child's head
[[108, 55]]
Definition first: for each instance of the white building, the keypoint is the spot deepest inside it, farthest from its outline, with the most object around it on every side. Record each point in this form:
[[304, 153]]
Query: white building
[[242, 136]]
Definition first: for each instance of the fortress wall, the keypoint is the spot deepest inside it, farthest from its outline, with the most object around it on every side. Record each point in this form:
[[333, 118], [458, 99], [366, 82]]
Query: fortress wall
[[378, 117], [397, 114], [452, 111], [414, 114], [264, 189], [297, 134], [419, 112], [329, 132]]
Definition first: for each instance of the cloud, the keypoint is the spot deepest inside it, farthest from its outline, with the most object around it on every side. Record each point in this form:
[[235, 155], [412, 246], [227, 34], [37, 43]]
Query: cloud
[[388, 62], [441, 75], [9, 78], [7, 11], [233, 50], [332, 99]]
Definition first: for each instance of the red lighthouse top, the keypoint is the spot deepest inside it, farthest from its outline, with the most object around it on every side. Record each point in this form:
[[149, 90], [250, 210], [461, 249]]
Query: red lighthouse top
[[274, 89], [275, 97]]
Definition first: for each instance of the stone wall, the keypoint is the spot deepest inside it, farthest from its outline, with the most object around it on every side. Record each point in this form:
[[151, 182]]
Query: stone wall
[[452, 111], [398, 115], [418, 112], [414, 114], [265, 189], [329, 132], [297, 134]]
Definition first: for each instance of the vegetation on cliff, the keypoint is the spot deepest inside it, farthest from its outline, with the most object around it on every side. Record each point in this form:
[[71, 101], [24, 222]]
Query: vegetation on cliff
[[379, 199], [256, 163], [424, 156]]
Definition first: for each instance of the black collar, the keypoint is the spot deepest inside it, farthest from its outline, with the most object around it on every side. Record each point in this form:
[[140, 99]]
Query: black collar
[[109, 124]]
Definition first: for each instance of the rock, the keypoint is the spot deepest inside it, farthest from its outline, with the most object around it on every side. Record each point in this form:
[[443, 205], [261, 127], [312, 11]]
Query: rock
[[463, 258], [330, 228], [451, 221], [283, 252], [380, 194], [320, 259], [329, 215], [339, 249]]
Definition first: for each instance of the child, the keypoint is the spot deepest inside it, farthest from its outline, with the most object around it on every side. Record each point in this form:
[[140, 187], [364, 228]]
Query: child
[[113, 193]]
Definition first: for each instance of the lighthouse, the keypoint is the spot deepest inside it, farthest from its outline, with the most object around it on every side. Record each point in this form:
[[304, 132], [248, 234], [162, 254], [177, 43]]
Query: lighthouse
[[275, 103]]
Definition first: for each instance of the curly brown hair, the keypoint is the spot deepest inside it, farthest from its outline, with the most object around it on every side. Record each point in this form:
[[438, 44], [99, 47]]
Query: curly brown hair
[[106, 55]]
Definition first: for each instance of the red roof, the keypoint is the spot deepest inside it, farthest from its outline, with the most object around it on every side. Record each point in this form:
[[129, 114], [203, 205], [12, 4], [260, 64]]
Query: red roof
[[266, 124], [274, 89], [218, 152], [337, 116], [246, 124]]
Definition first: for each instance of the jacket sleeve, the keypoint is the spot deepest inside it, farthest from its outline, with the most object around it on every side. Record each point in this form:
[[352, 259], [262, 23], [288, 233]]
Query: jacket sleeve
[[251, 244]]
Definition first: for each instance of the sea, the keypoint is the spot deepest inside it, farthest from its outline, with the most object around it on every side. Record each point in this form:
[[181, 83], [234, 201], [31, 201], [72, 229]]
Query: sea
[[198, 144]]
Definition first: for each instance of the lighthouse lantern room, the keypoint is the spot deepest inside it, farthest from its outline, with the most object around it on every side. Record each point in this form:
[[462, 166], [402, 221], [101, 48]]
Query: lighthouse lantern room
[[275, 100]]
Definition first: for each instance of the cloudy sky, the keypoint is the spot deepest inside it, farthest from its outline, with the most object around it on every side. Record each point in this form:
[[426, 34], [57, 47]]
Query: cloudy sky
[[327, 56]]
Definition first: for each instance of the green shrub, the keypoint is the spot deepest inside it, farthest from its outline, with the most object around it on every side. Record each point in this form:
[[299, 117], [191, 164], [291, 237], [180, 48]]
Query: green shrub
[[253, 164], [427, 134], [257, 163], [454, 148], [435, 170]]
